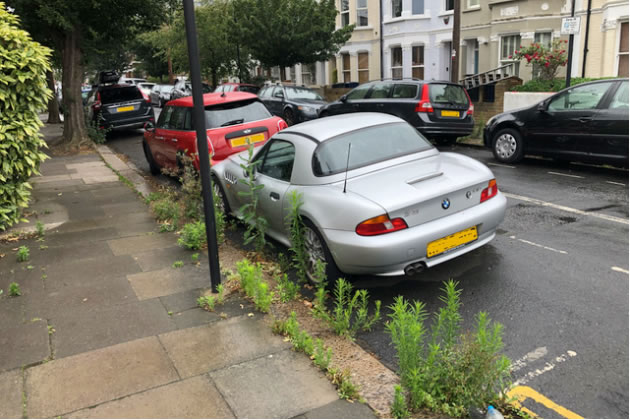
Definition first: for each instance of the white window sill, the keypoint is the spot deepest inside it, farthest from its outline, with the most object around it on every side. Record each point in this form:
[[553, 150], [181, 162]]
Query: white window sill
[[472, 9], [445, 13], [363, 28], [406, 18]]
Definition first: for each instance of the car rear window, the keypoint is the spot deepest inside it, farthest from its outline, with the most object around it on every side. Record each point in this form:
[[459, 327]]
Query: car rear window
[[235, 113], [301, 93], [369, 145], [447, 94], [120, 94], [250, 89]]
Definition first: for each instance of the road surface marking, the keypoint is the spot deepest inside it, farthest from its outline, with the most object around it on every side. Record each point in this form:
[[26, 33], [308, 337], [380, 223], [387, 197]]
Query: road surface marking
[[561, 174], [567, 209], [521, 393], [498, 164], [559, 251], [615, 183], [621, 270], [549, 366], [528, 358]]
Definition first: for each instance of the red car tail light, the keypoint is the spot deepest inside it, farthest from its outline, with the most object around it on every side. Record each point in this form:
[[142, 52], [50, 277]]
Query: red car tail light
[[471, 107], [282, 125], [425, 103], [380, 225], [146, 97], [96, 106], [490, 191]]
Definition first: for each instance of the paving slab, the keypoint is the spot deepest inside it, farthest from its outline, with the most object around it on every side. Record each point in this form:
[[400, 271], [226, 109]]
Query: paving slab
[[128, 223], [85, 380], [141, 243], [60, 254], [340, 409], [11, 386], [118, 209], [11, 312], [195, 398], [41, 179], [23, 344], [157, 259], [122, 194], [81, 236], [168, 281], [201, 349], [297, 386], [87, 328], [183, 301]]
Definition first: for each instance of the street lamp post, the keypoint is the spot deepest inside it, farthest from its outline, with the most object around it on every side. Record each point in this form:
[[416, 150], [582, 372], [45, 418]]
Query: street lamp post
[[199, 119]]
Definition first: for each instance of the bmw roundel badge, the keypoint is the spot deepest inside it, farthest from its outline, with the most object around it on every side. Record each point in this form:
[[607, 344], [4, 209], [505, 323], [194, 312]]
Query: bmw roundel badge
[[446, 203]]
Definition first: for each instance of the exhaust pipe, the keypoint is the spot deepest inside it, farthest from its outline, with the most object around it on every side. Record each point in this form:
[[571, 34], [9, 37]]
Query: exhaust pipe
[[415, 268]]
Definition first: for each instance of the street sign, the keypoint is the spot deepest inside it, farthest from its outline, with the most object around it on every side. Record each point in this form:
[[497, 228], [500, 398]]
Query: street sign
[[570, 26]]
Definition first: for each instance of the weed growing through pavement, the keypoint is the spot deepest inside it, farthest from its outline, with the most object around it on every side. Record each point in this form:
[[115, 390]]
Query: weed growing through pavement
[[256, 225], [51, 330], [345, 388], [445, 370], [14, 290], [296, 235], [321, 355], [399, 408], [29, 267], [39, 227], [252, 284], [286, 289], [193, 236], [220, 294], [43, 247], [207, 302], [178, 264], [195, 257], [23, 253]]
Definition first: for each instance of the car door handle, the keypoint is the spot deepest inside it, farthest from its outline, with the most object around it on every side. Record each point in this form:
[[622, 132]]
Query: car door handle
[[159, 138], [585, 119], [274, 196], [174, 140]]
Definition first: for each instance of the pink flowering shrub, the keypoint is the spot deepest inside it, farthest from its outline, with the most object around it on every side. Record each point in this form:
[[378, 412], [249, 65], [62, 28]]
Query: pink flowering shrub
[[548, 60]]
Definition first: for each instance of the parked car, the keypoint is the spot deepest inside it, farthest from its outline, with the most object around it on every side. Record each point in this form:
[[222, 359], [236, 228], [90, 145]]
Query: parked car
[[441, 111], [131, 80], [160, 95], [118, 106], [293, 103], [233, 120], [369, 208], [237, 87], [586, 123], [183, 88]]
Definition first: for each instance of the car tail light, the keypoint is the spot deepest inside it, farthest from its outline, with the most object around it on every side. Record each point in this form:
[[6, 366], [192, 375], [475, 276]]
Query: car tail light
[[146, 97], [471, 107], [96, 106], [380, 225], [490, 191], [282, 125], [425, 103]]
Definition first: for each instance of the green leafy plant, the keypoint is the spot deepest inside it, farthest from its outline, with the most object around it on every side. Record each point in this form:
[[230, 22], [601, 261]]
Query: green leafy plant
[[300, 339], [263, 297], [23, 93], [256, 225], [287, 290], [220, 294], [192, 197], [220, 219], [178, 264], [296, 234], [321, 355], [195, 257], [23, 253], [167, 211], [345, 388], [546, 60], [95, 132], [207, 302], [447, 371], [399, 408], [250, 276], [14, 289], [39, 227], [193, 235]]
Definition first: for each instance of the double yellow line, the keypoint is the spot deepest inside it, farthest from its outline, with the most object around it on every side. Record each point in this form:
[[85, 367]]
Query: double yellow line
[[521, 393]]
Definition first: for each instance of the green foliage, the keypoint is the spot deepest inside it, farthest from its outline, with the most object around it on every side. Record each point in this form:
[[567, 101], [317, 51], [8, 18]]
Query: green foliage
[[207, 302], [14, 289], [287, 290], [321, 355], [166, 211], [193, 236], [191, 191], [23, 93], [256, 225], [39, 228], [195, 257], [321, 294], [220, 221], [23, 253], [345, 388], [446, 371], [539, 85], [546, 60], [97, 134], [302, 341], [178, 264], [252, 284], [399, 406], [296, 235], [220, 294], [350, 313]]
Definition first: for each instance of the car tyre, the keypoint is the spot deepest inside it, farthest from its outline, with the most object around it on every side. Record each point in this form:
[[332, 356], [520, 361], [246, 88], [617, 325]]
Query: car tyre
[[507, 146], [316, 249], [153, 166], [223, 204], [289, 117]]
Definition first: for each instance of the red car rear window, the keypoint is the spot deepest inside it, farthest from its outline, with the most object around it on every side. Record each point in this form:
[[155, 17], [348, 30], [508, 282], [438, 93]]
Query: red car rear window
[[233, 113]]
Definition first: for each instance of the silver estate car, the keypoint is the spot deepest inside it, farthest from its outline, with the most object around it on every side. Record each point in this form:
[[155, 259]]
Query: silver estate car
[[377, 197]]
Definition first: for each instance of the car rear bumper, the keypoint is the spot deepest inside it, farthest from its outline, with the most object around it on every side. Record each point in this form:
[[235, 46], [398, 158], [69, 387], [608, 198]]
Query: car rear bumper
[[389, 254], [129, 123]]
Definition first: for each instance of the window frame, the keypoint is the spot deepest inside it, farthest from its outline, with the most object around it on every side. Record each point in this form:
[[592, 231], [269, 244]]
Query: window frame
[[568, 92], [346, 71], [362, 9], [469, 4], [261, 167], [618, 52], [415, 65], [398, 67], [392, 3], [413, 2], [363, 70], [510, 50], [344, 14], [449, 3]]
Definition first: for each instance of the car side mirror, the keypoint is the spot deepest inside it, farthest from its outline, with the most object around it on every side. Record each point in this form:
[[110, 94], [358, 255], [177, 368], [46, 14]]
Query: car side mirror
[[148, 126], [343, 98], [542, 107]]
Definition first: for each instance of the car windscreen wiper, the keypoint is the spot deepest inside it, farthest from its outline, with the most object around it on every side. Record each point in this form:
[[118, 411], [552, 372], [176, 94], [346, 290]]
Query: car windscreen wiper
[[232, 122]]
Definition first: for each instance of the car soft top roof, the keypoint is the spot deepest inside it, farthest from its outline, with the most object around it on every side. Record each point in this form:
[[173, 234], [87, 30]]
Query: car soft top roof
[[214, 99]]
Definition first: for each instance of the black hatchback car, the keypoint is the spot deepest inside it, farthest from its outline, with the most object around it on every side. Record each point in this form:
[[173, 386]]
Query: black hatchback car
[[585, 123], [295, 104], [118, 106], [441, 111]]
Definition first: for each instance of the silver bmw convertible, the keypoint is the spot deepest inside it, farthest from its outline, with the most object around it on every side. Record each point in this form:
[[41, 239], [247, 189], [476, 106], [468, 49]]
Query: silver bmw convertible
[[377, 197]]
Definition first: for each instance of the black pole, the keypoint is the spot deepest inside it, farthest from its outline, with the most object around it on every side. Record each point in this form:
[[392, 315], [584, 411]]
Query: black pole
[[455, 43], [380, 17], [199, 119], [567, 80], [588, 24]]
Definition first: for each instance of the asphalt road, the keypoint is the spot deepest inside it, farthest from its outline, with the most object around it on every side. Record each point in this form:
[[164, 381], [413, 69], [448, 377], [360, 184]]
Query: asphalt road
[[556, 277]]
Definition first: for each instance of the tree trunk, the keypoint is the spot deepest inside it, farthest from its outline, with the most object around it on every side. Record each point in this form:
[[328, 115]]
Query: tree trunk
[[74, 130], [53, 105], [171, 76]]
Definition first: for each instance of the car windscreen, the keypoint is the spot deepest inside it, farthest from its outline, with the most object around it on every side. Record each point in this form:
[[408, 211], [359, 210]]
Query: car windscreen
[[369, 145], [447, 94], [299, 93], [233, 113], [250, 89], [120, 94]]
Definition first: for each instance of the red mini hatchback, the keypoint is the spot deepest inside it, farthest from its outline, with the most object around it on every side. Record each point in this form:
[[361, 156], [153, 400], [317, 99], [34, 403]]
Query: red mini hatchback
[[233, 120]]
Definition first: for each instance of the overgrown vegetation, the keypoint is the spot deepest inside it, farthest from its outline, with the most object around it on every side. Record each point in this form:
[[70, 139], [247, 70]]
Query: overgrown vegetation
[[286, 289], [256, 225], [445, 370], [14, 290], [23, 254], [207, 302], [555, 85], [193, 236], [251, 279], [296, 230], [39, 228], [95, 132], [23, 93]]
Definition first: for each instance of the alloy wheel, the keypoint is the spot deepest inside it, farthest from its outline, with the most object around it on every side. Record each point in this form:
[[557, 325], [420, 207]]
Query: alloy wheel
[[314, 252], [505, 146]]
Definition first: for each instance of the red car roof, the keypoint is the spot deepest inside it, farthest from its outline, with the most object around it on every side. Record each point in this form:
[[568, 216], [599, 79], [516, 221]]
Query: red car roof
[[214, 98]]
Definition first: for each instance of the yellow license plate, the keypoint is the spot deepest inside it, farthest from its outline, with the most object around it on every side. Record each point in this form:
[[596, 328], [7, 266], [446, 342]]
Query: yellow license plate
[[450, 113], [242, 141], [452, 241], [124, 109]]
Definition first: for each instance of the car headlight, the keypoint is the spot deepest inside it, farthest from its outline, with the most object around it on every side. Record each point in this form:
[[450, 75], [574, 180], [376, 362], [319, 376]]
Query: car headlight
[[307, 109]]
